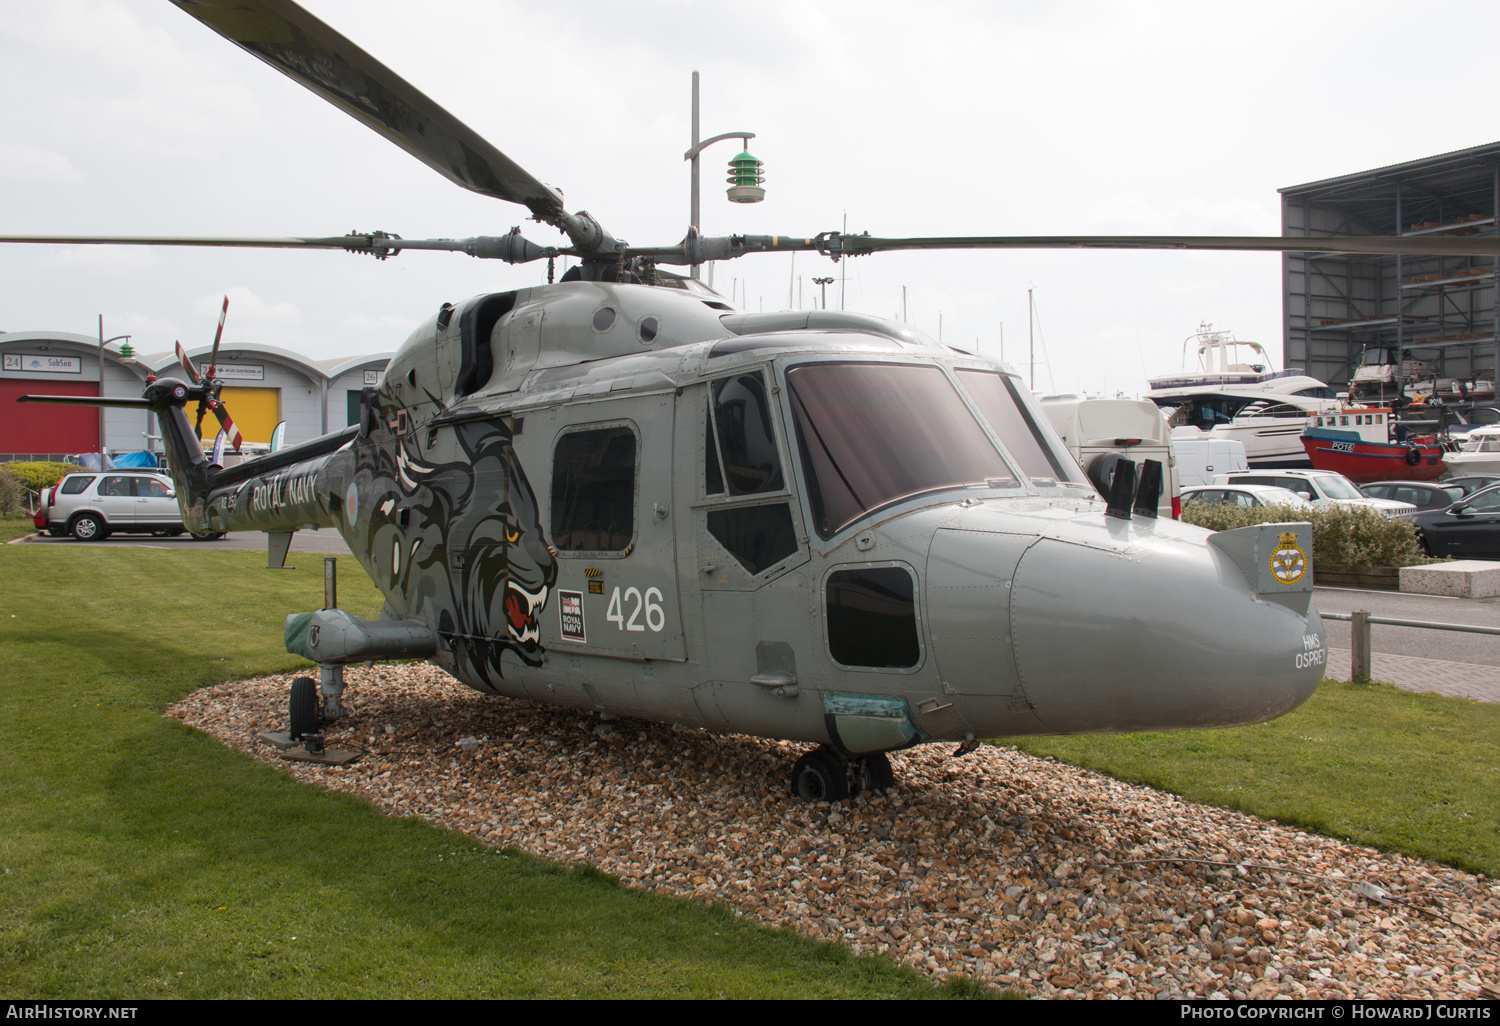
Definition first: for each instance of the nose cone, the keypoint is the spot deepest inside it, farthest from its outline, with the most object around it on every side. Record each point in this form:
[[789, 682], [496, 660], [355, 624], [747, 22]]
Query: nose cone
[[1119, 631]]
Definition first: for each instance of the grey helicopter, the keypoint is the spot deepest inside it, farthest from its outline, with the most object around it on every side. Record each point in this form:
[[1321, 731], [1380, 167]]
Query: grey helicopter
[[618, 493]]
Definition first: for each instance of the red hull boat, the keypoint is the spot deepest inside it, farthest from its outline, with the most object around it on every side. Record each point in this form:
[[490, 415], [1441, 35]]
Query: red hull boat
[[1358, 443]]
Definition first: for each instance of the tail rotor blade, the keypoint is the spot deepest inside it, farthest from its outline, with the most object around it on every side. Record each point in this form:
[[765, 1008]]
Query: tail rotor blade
[[213, 359], [192, 371], [227, 422]]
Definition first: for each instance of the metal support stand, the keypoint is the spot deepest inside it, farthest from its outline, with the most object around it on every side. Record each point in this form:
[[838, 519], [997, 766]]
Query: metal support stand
[[277, 544], [1359, 646], [331, 687], [331, 675]]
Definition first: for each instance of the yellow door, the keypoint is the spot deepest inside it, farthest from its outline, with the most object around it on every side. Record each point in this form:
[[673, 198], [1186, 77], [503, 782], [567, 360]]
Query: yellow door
[[256, 412]]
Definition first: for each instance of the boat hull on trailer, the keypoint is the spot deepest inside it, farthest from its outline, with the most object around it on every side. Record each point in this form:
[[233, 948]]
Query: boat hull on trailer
[[1365, 462]]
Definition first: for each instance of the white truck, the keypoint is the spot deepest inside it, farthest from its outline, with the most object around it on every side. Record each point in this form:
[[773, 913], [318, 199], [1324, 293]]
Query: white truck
[[1094, 429]]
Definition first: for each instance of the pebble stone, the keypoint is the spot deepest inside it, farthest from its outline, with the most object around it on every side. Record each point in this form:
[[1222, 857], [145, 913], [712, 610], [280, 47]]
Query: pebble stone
[[1018, 872]]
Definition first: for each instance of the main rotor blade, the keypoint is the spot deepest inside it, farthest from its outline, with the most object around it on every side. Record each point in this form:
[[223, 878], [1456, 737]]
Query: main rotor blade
[[1375, 245], [701, 249], [305, 49], [351, 242], [512, 248]]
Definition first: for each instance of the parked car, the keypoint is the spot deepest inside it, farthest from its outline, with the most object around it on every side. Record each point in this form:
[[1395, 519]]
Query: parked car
[[1471, 483], [1468, 529], [1319, 487], [1422, 494], [1243, 495], [91, 506]]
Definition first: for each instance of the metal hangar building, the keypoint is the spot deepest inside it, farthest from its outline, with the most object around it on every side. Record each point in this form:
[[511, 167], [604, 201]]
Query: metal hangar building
[[263, 386], [1440, 309]]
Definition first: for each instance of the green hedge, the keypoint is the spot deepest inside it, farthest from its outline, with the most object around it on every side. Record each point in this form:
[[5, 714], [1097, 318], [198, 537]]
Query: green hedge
[[38, 475], [12, 495], [1342, 535]]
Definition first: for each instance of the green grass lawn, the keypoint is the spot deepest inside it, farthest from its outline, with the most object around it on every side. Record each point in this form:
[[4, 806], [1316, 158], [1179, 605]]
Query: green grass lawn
[[1403, 772], [142, 859], [139, 858]]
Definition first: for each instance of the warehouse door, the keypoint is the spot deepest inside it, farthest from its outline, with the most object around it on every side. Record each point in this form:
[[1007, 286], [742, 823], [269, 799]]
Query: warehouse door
[[256, 412], [36, 428]]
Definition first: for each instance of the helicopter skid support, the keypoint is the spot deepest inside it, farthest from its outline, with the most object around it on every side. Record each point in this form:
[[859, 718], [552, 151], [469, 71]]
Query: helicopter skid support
[[331, 687]]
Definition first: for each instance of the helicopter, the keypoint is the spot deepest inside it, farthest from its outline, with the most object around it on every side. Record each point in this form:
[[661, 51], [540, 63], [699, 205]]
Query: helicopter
[[617, 492]]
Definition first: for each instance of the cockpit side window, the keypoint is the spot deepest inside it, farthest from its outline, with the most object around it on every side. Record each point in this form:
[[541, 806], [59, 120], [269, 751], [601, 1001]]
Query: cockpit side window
[[713, 478], [741, 414], [741, 459]]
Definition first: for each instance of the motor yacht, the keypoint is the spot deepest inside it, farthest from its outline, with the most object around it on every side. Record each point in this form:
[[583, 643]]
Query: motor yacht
[[1233, 393], [1480, 454]]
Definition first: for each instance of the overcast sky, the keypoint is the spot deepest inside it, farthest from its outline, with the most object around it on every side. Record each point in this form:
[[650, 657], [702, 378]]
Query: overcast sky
[[910, 118]]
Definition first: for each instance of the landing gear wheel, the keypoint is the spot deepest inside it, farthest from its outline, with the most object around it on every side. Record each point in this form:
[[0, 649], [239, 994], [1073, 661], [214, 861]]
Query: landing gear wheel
[[875, 773], [820, 776], [89, 527], [209, 536], [304, 707]]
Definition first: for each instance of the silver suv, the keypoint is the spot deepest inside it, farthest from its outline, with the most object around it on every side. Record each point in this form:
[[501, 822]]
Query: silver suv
[[1319, 487], [92, 506]]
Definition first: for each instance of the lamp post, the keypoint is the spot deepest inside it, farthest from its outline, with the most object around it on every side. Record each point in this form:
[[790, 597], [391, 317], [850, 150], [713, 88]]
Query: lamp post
[[128, 359], [745, 177], [824, 282]]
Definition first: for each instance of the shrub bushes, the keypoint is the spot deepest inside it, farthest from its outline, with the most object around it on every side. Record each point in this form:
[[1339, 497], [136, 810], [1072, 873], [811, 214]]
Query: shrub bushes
[[12, 494], [16, 478], [1342, 535], [38, 475]]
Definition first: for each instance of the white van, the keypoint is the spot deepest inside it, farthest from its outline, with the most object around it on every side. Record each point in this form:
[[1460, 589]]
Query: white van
[[1134, 428], [1199, 459]]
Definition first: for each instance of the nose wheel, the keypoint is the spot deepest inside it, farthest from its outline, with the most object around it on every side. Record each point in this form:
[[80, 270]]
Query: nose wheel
[[305, 715], [823, 775]]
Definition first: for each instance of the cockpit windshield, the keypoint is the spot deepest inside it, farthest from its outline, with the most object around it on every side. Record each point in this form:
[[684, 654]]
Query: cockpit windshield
[[870, 435], [1024, 437]]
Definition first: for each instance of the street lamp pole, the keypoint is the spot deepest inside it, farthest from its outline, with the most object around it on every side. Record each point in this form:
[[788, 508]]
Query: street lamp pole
[[824, 282], [750, 195], [102, 343]]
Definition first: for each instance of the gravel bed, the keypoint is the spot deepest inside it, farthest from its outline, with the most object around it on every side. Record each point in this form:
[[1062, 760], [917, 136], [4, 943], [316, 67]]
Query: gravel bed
[[1017, 871]]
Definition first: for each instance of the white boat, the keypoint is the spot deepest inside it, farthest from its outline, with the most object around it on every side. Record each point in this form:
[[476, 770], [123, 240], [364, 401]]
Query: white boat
[[1480, 454], [1234, 394], [1386, 374]]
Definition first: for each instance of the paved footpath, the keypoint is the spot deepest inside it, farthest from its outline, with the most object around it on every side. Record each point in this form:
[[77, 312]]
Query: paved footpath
[[1445, 662]]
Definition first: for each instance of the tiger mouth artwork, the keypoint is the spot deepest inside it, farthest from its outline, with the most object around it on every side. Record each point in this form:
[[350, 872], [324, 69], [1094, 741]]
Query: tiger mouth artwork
[[522, 608], [478, 564]]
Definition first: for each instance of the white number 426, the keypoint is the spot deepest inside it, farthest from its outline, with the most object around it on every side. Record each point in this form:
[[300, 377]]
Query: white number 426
[[656, 619]]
